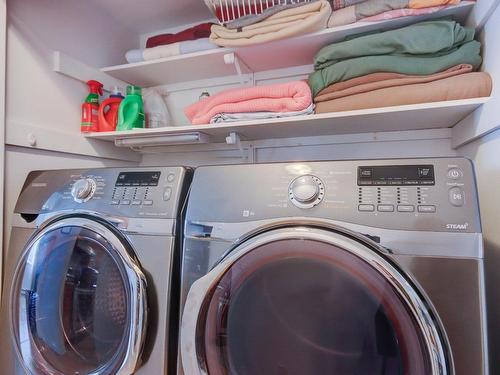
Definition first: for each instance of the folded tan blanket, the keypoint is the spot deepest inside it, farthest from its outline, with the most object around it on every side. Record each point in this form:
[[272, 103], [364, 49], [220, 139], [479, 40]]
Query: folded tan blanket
[[377, 81], [463, 86], [305, 19]]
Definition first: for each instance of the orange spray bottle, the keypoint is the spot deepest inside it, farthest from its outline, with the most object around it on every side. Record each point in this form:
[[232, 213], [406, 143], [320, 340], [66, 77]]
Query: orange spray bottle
[[90, 108]]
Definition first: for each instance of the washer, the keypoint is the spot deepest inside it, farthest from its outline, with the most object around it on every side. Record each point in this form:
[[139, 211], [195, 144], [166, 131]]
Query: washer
[[348, 267], [90, 283]]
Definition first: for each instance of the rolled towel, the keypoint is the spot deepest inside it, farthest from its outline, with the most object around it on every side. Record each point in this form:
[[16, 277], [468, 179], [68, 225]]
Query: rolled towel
[[285, 97]]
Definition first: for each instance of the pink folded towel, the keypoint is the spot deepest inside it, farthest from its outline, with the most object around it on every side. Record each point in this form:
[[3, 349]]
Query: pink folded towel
[[288, 97]]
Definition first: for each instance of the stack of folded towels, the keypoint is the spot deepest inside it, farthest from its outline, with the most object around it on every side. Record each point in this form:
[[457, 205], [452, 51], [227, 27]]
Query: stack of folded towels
[[426, 62], [191, 40], [349, 11], [253, 103], [288, 19]]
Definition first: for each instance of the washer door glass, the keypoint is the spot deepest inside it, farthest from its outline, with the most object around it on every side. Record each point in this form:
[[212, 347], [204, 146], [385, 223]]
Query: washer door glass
[[71, 301], [295, 307]]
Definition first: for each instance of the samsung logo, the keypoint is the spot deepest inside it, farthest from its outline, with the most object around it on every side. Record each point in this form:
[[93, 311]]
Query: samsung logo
[[457, 226], [39, 184]]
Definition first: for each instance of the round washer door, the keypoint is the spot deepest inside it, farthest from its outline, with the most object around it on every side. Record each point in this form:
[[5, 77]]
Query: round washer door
[[308, 301], [78, 301]]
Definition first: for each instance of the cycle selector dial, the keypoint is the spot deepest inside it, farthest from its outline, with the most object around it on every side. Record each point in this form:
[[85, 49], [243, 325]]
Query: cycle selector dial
[[306, 191], [83, 190]]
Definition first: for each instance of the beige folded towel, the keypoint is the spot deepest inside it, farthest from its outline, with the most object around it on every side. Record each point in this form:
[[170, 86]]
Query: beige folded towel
[[463, 86], [288, 23]]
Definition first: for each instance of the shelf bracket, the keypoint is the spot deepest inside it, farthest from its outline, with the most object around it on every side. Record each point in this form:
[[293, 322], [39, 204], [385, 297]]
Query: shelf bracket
[[234, 139], [80, 71], [242, 70]]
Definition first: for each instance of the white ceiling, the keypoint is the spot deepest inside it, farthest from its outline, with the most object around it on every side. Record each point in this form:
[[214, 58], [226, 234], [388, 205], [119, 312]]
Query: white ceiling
[[145, 16]]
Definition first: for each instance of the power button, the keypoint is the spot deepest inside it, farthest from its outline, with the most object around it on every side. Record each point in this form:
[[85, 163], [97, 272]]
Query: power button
[[455, 174]]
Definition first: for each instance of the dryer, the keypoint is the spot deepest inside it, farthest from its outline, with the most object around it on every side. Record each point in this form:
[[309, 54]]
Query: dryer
[[348, 267], [90, 276]]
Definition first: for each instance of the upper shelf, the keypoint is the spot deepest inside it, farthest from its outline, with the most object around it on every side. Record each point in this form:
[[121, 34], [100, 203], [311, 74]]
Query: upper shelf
[[408, 117], [285, 53]]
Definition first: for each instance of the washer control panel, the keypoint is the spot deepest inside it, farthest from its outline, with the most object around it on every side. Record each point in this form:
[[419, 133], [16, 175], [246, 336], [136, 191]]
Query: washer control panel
[[414, 194], [130, 192]]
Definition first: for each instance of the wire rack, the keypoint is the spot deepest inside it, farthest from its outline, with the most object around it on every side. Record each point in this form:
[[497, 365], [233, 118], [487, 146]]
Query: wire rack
[[230, 10]]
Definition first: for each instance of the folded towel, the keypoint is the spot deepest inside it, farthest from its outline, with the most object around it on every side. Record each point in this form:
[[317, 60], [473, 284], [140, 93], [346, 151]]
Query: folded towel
[[377, 81], [193, 33], [287, 97], [249, 116], [251, 19], [174, 49], [463, 86], [285, 24], [423, 38], [403, 64], [400, 13], [370, 8]]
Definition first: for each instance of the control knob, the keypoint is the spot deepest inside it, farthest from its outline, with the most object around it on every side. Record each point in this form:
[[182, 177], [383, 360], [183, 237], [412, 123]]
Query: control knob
[[83, 189], [306, 191]]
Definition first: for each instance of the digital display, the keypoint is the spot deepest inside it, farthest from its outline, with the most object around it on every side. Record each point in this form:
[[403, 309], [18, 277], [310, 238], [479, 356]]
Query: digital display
[[138, 179], [396, 175]]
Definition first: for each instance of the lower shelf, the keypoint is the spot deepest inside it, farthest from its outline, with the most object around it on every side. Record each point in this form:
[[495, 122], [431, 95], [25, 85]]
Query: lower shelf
[[408, 117]]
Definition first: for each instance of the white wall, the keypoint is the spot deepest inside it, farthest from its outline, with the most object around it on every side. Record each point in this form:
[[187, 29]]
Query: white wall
[[486, 155]]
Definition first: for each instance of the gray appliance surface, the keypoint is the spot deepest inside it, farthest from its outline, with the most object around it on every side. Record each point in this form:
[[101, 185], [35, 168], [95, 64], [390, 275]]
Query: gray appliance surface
[[424, 212], [144, 205]]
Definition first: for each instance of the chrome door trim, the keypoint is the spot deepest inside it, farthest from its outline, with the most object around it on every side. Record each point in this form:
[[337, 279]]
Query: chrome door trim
[[418, 243], [421, 310], [135, 279]]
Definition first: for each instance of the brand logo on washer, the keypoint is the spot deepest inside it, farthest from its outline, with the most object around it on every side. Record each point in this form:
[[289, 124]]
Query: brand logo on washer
[[457, 226], [39, 184]]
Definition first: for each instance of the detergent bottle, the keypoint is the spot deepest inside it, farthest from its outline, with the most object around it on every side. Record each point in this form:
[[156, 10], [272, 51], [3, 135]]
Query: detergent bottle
[[90, 108], [108, 111], [131, 111]]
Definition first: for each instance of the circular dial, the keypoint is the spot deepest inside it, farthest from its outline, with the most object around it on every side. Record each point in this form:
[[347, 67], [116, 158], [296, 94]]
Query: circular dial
[[83, 189], [306, 191]]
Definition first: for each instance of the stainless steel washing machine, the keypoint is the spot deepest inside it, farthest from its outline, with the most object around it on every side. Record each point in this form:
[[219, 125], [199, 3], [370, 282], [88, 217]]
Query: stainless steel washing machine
[[90, 276], [349, 267]]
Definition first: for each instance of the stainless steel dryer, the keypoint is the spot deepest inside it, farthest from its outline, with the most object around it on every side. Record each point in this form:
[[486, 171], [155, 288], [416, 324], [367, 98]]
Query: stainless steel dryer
[[349, 267], [90, 274]]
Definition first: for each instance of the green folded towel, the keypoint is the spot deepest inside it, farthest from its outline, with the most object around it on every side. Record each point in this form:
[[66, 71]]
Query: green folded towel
[[420, 49]]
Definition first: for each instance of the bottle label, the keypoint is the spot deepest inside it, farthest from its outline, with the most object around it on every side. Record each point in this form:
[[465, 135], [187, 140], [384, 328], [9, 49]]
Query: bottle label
[[90, 118]]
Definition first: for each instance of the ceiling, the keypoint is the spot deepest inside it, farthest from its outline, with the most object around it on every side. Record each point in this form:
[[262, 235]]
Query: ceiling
[[146, 16]]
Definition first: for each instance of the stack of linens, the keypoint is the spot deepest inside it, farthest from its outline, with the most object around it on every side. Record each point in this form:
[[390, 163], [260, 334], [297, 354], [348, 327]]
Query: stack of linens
[[278, 22], [426, 62], [253, 103]]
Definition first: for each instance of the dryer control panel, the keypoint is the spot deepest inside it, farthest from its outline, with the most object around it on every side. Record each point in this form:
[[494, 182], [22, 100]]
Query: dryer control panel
[[129, 192], [414, 194]]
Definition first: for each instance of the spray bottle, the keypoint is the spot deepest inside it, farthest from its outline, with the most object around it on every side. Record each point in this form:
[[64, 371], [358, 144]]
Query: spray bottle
[[90, 108]]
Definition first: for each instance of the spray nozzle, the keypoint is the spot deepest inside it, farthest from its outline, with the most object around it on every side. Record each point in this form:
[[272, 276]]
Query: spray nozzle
[[95, 87]]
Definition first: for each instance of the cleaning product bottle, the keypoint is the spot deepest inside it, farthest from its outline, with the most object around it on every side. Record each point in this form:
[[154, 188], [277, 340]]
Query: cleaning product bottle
[[131, 111], [108, 111], [90, 108]]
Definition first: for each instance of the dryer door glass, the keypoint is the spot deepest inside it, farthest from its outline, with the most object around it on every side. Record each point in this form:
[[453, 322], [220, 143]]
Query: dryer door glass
[[295, 307], [72, 303]]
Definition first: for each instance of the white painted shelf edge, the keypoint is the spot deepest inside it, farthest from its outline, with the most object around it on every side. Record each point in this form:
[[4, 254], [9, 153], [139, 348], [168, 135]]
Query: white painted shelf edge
[[297, 51], [408, 117]]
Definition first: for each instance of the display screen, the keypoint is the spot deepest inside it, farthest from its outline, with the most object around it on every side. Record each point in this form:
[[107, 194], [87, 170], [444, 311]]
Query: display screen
[[396, 175], [138, 179]]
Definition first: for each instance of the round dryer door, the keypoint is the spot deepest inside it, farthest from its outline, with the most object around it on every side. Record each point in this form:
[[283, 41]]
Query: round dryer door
[[308, 301], [78, 301]]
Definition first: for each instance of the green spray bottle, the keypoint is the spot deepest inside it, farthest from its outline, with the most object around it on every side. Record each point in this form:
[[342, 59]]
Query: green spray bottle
[[131, 111]]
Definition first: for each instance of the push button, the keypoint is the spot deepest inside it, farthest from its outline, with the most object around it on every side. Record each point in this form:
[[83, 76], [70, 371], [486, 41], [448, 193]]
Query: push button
[[427, 209], [114, 203], [136, 203], [167, 194], [385, 208], [366, 208], [457, 197], [455, 174], [147, 203], [171, 177], [406, 208], [125, 202]]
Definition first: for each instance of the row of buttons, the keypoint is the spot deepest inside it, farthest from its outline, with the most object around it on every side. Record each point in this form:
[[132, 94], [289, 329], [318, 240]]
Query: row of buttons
[[127, 202], [401, 208]]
